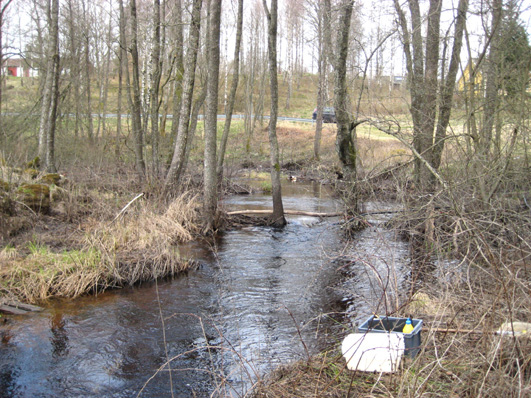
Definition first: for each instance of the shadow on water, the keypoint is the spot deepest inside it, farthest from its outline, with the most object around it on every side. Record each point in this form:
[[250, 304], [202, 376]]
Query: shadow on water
[[225, 324]]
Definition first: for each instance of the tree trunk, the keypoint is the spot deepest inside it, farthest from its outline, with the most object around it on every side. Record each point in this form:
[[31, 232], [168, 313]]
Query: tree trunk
[[423, 82], [155, 82], [88, 93], [174, 172], [179, 69], [122, 65], [3, 9], [194, 117], [136, 105], [492, 84], [322, 70], [447, 93], [104, 86], [345, 144], [232, 95], [210, 196], [75, 66], [277, 218], [54, 100], [50, 91]]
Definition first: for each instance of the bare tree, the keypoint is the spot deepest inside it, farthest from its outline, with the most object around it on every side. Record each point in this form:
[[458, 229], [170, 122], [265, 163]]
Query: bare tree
[[254, 74], [122, 67], [73, 61], [210, 196], [178, 159], [178, 65], [50, 95], [88, 67], [345, 143], [322, 26], [156, 74], [3, 10], [134, 97], [232, 95], [422, 68], [277, 219]]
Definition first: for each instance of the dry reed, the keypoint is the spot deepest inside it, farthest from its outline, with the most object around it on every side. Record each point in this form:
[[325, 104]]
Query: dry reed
[[142, 246]]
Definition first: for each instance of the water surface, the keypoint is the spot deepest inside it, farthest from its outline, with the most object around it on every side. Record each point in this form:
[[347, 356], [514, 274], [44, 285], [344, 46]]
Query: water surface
[[257, 300]]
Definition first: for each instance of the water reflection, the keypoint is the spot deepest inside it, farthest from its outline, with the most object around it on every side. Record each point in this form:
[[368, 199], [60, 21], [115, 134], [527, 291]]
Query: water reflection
[[59, 337]]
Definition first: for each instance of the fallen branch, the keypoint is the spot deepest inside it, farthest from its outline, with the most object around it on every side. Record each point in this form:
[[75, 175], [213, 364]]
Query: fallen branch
[[467, 331], [289, 212], [126, 206]]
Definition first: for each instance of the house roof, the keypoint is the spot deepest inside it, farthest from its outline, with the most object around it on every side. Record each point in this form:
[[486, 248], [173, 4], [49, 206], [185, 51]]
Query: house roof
[[15, 62]]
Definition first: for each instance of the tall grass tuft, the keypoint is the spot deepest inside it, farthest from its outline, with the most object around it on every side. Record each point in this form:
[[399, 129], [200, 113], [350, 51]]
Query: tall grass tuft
[[142, 246]]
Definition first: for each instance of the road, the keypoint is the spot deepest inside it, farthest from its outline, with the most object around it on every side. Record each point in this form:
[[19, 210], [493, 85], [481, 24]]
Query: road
[[220, 117]]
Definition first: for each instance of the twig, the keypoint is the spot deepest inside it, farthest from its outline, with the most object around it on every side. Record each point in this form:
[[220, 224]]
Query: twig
[[126, 206], [29, 208], [300, 335], [164, 336], [469, 331], [415, 152]]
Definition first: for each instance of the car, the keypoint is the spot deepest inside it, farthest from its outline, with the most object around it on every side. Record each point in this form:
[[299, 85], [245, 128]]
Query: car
[[329, 115]]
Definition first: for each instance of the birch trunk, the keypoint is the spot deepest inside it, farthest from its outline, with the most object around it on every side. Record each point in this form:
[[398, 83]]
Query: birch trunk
[[232, 95], [136, 104]]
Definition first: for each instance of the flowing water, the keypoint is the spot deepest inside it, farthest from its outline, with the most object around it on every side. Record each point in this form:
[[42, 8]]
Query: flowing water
[[257, 300]]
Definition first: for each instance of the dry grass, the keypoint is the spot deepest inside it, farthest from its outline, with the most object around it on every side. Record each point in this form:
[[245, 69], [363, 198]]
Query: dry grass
[[142, 246], [470, 273], [474, 362]]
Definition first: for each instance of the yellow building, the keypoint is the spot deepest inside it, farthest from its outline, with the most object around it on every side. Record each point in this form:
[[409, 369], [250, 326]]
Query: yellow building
[[470, 84]]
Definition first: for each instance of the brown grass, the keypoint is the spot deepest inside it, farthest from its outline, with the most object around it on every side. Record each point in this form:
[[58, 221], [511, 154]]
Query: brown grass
[[471, 363], [142, 246]]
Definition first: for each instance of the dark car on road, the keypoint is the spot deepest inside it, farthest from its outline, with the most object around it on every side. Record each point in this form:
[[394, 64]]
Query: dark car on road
[[329, 115]]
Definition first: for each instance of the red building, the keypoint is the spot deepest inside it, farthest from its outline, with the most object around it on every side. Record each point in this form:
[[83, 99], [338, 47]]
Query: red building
[[17, 67]]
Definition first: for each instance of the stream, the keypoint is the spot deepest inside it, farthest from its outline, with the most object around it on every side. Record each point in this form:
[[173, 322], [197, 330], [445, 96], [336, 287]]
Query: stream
[[261, 297]]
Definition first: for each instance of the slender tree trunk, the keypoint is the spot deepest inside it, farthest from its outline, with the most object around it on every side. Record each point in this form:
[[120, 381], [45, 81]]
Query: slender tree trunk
[[232, 95], [54, 88], [75, 66], [178, 69], [176, 166], [122, 58], [210, 196], [3, 9], [492, 84], [50, 150], [49, 103], [249, 102], [104, 87], [322, 70], [88, 93], [277, 219], [345, 144], [447, 94], [429, 94], [194, 117], [136, 108], [155, 82]]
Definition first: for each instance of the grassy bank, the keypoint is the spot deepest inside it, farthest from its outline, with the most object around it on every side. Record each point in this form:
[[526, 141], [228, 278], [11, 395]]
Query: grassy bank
[[92, 239]]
